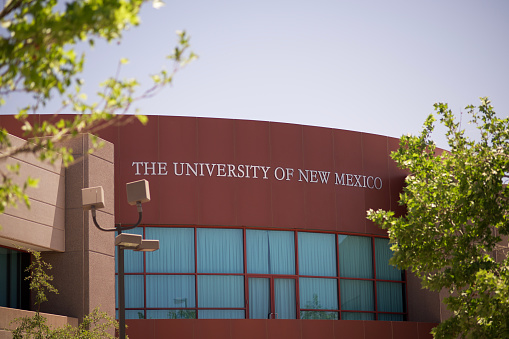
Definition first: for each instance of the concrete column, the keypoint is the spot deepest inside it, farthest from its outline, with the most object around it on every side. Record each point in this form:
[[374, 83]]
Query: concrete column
[[85, 272]]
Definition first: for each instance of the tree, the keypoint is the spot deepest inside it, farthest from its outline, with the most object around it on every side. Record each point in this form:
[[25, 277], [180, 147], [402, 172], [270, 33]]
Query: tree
[[38, 57], [94, 326], [457, 216]]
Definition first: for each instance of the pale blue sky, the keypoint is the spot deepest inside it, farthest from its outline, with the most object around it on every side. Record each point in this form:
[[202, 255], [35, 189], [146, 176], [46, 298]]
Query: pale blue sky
[[371, 66]]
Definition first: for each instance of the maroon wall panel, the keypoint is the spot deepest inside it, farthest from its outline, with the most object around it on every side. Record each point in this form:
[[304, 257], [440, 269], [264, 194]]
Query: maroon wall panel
[[397, 179], [217, 193], [376, 163], [276, 329], [253, 197], [288, 197], [349, 200], [202, 172], [138, 143], [178, 143], [320, 198]]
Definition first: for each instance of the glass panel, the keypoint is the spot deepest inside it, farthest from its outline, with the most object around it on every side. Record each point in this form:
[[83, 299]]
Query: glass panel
[[220, 291], [134, 293], [10, 277], [317, 254], [284, 294], [316, 293], [221, 314], [176, 250], [382, 255], [270, 252], [133, 261], [171, 314], [357, 295], [319, 315], [357, 316], [220, 251], [4, 277], [170, 291], [355, 256], [132, 314], [390, 297], [259, 298], [390, 317]]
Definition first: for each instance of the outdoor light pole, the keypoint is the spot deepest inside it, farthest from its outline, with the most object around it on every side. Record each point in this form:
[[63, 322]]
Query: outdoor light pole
[[137, 193]]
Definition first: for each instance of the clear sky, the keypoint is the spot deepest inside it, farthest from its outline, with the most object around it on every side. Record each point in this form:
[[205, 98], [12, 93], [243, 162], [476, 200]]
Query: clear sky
[[372, 66]]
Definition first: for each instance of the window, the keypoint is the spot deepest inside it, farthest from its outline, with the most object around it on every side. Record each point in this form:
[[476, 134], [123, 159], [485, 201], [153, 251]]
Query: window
[[14, 289], [217, 273]]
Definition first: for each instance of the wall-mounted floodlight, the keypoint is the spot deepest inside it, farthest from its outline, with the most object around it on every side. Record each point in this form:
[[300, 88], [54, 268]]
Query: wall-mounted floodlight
[[148, 245], [92, 197], [137, 193], [128, 240]]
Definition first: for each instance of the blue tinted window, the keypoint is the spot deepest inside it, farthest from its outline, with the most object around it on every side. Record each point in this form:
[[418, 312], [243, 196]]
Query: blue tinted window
[[318, 293], [355, 256], [220, 251], [383, 253], [357, 295], [171, 291], [221, 291], [317, 254], [176, 250], [270, 252]]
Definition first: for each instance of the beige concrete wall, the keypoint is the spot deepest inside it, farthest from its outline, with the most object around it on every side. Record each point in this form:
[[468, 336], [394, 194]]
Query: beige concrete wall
[[85, 273], [7, 315], [42, 227]]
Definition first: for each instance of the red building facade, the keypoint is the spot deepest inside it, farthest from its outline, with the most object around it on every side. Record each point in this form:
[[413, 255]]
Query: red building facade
[[263, 232]]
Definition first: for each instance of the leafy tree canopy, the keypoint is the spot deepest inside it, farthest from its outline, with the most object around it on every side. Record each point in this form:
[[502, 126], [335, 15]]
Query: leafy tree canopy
[[454, 235], [38, 57]]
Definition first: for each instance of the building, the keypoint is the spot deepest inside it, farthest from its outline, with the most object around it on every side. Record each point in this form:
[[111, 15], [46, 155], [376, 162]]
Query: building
[[262, 229]]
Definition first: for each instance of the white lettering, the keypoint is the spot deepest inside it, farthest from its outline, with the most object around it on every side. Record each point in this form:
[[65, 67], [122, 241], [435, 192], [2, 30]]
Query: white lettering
[[289, 173], [372, 180], [282, 173], [221, 170], [162, 168], [349, 179], [357, 182], [193, 170], [254, 171], [324, 176], [240, 168], [264, 169], [209, 169], [340, 181], [152, 167], [302, 175], [231, 171], [243, 171], [137, 163], [175, 168], [313, 176], [201, 170]]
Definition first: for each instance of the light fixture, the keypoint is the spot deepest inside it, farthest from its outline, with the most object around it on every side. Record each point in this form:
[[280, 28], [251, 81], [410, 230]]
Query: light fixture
[[130, 241], [148, 246], [137, 193]]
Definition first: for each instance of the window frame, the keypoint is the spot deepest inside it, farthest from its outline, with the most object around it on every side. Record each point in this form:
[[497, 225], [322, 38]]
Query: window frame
[[196, 309]]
